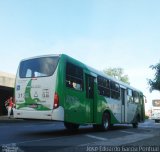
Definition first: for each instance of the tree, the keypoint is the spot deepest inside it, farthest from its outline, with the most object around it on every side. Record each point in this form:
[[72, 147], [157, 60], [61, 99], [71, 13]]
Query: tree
[[155, 82], [117, 73]]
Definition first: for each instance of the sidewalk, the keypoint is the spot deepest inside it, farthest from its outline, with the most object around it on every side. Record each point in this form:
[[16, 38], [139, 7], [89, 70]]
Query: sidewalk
[[11, 119]]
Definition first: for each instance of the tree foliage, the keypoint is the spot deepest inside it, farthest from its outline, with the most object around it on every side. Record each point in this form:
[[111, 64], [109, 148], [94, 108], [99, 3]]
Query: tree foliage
[[155, 82], [117, 73]]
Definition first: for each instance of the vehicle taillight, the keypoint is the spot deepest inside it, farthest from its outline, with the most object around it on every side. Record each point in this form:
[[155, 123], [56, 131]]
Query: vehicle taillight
[[56, 101]]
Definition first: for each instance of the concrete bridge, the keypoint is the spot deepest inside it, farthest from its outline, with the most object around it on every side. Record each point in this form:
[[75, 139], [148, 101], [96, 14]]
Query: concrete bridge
[[6, 89]]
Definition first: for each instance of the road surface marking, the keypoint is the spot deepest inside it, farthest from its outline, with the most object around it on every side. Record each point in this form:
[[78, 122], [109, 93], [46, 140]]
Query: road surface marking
[[128, 132], [30, 141], [95, 137], [121, 140]]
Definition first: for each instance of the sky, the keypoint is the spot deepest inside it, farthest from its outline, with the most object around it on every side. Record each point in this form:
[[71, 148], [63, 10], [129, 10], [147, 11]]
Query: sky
[[100, 33]]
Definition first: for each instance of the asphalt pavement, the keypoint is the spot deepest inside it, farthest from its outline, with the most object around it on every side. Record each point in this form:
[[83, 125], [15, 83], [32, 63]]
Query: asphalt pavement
[[153, 143]]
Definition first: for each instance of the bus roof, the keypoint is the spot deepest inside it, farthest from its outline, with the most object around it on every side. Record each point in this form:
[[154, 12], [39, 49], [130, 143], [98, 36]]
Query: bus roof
[[40, 56]]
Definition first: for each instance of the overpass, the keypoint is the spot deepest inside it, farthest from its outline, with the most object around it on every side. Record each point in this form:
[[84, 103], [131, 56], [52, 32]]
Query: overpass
[[7, 81]]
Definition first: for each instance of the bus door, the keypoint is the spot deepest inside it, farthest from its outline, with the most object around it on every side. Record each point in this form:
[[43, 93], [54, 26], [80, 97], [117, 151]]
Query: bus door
[[123, 105], [89, 98], [74, 94], [131, 106], [142, 100]]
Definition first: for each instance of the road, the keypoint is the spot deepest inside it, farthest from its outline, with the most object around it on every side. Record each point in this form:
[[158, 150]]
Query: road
[[52, 136]]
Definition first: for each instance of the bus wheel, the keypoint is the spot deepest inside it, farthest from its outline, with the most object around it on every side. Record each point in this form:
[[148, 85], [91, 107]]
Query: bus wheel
[[156, 121], [71, 126], [105, 122], [135, 124]]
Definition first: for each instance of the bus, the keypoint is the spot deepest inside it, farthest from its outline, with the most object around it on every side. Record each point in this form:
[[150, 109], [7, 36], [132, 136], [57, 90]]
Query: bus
[[155, 115], [61, 88]]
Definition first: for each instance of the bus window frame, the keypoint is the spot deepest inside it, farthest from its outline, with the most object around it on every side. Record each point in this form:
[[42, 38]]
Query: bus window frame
[[115, 90], [136, 97], [102, 87], [71, 79], [130, 95]]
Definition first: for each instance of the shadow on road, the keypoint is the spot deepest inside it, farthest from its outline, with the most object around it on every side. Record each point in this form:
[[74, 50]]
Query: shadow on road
[[64, 132]]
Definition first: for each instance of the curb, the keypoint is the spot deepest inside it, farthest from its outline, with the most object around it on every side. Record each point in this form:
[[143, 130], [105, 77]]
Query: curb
[[11, 119]]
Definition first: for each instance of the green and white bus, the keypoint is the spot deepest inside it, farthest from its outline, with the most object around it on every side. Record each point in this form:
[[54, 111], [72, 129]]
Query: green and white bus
[[58, 87]]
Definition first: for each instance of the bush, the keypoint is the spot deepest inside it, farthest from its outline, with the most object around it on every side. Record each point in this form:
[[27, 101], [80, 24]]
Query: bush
[[146, 117]]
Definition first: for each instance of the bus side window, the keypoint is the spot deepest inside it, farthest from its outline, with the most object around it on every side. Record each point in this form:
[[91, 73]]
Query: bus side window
[[115, 90], [103, 86], [74, 77], [136, 97], [130, 95], [69, 84], [141, 99], [89, 86]]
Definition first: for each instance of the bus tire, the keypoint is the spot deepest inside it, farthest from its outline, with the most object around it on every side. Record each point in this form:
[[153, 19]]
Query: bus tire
[[106, 123], [156, 121], [135, 124], [71, 126]]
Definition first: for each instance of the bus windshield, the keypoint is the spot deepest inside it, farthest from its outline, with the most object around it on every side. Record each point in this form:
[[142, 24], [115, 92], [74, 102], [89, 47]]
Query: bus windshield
[[156, 103], [38, 67]]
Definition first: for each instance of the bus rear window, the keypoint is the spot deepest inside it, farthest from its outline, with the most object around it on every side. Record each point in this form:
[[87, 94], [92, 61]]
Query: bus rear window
[[38, 67]]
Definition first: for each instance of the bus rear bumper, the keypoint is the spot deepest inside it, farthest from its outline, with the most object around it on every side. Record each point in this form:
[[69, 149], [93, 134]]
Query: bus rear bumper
[[55, 114]]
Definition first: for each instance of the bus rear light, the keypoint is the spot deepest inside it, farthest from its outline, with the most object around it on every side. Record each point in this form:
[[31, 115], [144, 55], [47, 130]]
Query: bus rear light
[[56, 101]]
